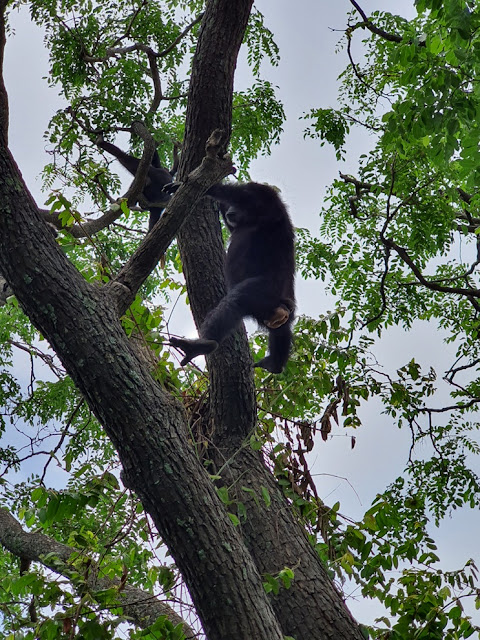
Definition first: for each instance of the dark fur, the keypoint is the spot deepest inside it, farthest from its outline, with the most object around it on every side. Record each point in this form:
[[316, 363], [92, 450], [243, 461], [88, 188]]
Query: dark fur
[[260, 269], [157, 178]]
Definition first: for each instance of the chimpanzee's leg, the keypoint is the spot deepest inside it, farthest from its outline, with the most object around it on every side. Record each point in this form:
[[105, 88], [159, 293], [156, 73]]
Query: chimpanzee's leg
[[248, 298], [193, 348], [155, 215], [279, 343]]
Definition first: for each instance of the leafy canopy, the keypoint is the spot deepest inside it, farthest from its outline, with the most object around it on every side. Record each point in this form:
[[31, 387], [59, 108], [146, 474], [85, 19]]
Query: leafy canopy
[[389, 248]]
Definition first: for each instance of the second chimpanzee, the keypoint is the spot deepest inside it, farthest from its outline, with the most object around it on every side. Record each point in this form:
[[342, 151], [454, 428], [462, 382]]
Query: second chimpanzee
[[157, 178], [260, 272]]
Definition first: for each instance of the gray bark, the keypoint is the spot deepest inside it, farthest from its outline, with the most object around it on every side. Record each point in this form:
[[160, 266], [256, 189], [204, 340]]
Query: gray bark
[[312, 609], [146, 425]]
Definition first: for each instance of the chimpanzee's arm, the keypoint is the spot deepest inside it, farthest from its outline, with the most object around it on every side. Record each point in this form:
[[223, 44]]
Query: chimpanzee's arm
[[233, 195], [129, 162]]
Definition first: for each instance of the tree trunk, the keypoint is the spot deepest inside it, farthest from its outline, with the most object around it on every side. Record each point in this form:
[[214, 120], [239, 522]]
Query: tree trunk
[[312, 609], [146, 425]]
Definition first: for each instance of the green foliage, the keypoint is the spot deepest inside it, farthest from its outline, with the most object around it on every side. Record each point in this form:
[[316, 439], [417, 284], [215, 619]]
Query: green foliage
[[111, 63], [260, 43], [398, 246], [402, 249], [273, 584], [257, 122], [330, 126], [162, 629]]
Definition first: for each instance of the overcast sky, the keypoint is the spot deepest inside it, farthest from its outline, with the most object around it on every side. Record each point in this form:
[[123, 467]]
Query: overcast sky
[[305, 32]]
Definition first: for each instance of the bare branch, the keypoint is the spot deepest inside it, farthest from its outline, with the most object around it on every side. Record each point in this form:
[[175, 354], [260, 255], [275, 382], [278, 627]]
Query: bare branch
[[452, 372], [454, 407], [180, 37], [352, 61], [402, 253], [46, 358], [63, 436], [157, 85]]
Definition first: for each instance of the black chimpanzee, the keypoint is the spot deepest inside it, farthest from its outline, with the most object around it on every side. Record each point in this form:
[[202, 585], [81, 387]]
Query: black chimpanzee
[[157, 178], [260, 272]]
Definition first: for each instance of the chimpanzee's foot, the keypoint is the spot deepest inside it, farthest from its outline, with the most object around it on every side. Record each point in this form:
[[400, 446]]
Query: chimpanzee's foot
[[193, 348], [269, 364]]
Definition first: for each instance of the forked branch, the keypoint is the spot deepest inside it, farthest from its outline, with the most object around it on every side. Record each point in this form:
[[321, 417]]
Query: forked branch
[[214, 167]]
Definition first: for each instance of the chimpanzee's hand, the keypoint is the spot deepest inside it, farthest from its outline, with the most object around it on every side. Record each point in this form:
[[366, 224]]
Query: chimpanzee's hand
[[172, 187]]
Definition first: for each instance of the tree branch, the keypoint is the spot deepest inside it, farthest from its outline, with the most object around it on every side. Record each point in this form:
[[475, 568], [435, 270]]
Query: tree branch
[[84, 229], [212, 169], [132, 196], [141, 606], [138, 182], [391, 37], [402, 253], [454, 407], [113, 52], [128, 30], [120, 51], [166, 51], [157, 85], [361, 188]]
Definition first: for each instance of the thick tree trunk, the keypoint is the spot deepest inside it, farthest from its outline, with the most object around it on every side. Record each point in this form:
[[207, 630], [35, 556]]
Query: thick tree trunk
[[312, 609], [3, 93], [199, 240], [146, 425]]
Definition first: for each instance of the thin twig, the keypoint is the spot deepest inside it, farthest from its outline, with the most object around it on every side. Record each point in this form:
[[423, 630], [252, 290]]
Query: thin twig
[[391, 37]]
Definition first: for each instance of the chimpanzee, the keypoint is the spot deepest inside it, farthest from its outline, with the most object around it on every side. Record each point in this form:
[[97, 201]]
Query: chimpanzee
[[157, 178], [260, 271]]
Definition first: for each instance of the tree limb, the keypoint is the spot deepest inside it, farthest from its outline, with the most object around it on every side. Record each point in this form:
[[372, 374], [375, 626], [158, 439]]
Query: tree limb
[[132, 196], [157, 85], [212, 169], [84, 229], [113, 52], [391, 37], [138, 182], [433, 286], [141, 606], [166, 51]]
